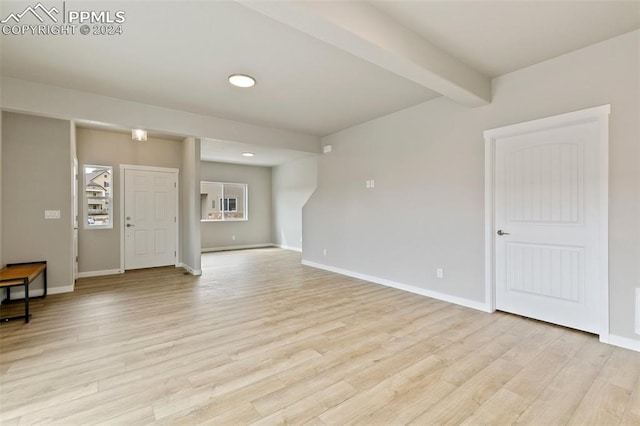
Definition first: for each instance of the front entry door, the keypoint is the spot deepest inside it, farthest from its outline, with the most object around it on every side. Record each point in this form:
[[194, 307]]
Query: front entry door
[[547, 225], [149, 218]]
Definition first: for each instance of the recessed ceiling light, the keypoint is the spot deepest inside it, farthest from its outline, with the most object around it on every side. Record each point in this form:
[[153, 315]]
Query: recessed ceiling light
[[248, 154], [139, 135], [242, 80]]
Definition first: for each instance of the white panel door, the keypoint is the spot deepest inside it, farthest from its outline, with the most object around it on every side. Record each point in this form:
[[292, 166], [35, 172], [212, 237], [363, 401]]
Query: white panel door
[[546, 222], [150, 215]]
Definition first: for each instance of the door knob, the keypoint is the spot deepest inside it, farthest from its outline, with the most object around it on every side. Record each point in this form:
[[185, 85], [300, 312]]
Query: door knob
[[129, 225], [501, 232]]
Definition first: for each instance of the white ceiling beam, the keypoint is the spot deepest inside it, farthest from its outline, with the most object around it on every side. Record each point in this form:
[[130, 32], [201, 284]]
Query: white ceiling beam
[[360, 29], [68, 104]]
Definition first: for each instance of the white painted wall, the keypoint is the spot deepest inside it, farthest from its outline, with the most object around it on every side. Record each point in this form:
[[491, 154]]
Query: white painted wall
[[253, 232], [427, 208], [292, 185], [190, 206]]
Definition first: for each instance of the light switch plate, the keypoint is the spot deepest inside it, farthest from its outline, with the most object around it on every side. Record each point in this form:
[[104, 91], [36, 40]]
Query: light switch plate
[[52, 214]]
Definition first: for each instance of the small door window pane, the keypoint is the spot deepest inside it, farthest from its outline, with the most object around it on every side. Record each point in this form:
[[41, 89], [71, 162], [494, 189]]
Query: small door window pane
[[98, 205]]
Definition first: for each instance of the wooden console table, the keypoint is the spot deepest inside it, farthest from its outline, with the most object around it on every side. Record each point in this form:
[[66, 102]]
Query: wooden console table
[[22, 274]]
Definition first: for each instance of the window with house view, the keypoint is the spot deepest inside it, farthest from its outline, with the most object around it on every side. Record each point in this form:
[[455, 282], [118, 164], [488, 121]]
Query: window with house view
[[223, 201], [98, 196]]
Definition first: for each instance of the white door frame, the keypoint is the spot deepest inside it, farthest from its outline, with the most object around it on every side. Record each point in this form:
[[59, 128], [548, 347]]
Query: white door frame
[[175, 172], [74, 220], [599, 115]]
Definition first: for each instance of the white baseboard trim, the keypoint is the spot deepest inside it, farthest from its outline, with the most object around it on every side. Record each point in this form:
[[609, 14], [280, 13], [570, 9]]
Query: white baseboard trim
[[624, 342], [189, 269], [409, 288], [286, 247], [240, 247], [19, 293], [90, 274]]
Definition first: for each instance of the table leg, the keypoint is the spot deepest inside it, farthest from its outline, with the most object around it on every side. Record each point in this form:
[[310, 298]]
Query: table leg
[[26, 300], [45, 280]]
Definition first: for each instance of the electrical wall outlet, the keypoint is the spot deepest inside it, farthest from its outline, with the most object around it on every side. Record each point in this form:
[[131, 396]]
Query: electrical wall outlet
[[233, 237], [439, 273], [324, 252]]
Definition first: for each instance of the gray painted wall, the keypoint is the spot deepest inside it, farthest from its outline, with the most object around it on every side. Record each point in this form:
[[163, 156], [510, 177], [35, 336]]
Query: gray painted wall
[[2, 263], [99, 249], [36, 176], [293, 184], [255, 231], [427, 207]]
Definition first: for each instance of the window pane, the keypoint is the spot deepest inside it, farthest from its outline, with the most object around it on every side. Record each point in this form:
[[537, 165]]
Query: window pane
[[98, 196], [235, 200], [223, 201], [210, 201]]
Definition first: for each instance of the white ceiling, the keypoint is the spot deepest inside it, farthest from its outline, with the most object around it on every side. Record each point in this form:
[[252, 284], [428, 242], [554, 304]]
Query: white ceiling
[[497, 37], [178, 54], [231, 152], [108, 127]]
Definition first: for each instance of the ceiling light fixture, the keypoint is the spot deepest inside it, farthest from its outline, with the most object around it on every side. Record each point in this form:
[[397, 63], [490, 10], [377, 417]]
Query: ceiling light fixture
[[242, 80], [248, 154], [139, 135]]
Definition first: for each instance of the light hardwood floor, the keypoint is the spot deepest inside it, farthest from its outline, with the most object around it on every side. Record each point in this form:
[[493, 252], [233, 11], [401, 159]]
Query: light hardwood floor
[[261, 339]]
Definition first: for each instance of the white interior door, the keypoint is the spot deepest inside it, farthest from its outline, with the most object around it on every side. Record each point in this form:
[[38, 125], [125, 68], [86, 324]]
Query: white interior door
[[149, 218], [547, 225]]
